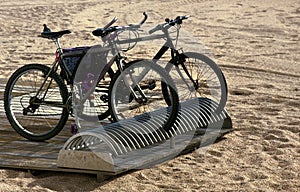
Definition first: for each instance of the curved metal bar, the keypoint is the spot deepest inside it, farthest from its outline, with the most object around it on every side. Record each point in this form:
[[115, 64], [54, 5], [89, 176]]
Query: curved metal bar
[[145, 130], [74, 140]]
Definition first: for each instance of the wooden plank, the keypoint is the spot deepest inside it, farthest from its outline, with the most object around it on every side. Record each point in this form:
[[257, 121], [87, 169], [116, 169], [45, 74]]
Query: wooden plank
[[8, 163], [19, 153]]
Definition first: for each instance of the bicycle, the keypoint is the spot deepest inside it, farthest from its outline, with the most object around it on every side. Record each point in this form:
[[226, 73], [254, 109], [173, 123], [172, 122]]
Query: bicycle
[[195, 74], [37, 101]]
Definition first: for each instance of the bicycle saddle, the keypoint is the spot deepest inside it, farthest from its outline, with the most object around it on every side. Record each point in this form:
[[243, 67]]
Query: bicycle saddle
[[53, 35], [102, 32]]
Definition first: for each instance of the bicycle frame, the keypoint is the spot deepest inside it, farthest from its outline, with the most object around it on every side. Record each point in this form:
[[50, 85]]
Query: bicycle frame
[[176, 58], [59, 62], [119, 60], [112, 43], [54, 68]]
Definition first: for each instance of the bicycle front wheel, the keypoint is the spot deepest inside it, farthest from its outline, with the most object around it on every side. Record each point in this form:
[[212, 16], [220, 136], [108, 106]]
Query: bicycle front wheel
[[137, 92], [198, 76], [34, 110]]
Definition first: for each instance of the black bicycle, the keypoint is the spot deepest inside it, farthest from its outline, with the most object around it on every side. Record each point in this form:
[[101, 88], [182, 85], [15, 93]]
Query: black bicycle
[[37, 101], [194, 74]]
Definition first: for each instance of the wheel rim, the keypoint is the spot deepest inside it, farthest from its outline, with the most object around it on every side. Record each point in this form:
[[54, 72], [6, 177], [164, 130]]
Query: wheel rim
[[124, 106], [44, 118]]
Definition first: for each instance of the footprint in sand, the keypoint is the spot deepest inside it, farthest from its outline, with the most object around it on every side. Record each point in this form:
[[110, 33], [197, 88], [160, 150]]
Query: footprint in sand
[[276, 138], [274, 111], [293, 103], [271, 149], [240, 91], [291, 128], [215, 153], [295, 122]]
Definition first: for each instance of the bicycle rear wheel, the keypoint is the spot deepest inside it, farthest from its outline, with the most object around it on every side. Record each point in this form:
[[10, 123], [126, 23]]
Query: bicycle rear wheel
[[36, 117], [196, 75], [153, 106]]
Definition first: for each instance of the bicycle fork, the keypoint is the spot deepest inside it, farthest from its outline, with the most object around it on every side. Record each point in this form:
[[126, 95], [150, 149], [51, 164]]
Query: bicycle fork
[[134, 87], [179, 59]]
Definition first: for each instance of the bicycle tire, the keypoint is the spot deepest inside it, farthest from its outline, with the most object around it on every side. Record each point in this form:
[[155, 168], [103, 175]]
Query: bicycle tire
[[99, 110], [210, 81], [121, 98], [36, 122]]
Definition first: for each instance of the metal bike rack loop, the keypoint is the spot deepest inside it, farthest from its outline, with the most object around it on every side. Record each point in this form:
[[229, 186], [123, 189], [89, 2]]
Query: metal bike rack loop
[[136, 142]]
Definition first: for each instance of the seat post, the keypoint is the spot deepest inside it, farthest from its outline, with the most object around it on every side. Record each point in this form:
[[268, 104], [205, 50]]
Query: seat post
[[56, 41]]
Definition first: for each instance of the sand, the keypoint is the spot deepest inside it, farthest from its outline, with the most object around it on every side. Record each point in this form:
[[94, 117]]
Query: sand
[[256, 44]]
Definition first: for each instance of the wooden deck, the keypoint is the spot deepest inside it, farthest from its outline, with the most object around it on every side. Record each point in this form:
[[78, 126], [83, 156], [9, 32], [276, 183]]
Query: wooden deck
[[19, 153]]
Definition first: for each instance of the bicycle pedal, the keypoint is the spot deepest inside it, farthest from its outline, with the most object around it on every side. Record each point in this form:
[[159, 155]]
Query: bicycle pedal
[[74, 129], [111, 120]]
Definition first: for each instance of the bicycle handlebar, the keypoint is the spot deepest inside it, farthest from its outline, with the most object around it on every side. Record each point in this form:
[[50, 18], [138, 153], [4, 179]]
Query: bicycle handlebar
[[145, 18], [110, 23], [107, 29], [178, 20]]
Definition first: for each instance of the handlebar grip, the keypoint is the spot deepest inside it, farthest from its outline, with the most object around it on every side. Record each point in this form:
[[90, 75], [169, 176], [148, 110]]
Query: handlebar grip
[[152, 31], [158, 27], [145, 18], [177, 20], [184, 17]]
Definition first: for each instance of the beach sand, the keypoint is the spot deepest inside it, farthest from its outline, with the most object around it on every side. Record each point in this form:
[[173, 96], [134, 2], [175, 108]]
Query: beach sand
[[256, 44]]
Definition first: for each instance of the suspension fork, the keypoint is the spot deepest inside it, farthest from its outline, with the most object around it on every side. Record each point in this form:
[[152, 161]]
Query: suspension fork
[[195, 82], [139, 89], [179, 59], [134, 85]]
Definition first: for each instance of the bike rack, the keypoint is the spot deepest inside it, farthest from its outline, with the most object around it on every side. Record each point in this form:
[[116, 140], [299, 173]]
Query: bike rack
[[136, 143]]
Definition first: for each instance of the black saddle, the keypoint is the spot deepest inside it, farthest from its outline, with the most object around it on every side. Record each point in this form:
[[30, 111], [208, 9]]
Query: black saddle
[[53, 35], [102, 32]]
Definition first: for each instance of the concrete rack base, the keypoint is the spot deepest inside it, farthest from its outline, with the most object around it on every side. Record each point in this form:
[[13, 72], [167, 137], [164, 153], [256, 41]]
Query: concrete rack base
[[137, 143]]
